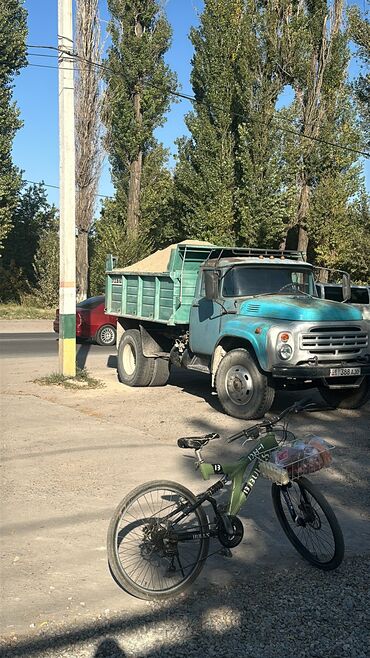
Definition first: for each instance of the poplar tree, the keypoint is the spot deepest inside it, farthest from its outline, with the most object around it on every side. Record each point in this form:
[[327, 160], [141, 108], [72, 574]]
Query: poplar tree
[[265, 198], [229, 181], [139, 85], [13, 30], [205, 181]]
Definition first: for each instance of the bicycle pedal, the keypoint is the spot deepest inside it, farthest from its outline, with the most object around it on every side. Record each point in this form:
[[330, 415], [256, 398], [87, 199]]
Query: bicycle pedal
[[225, 552]]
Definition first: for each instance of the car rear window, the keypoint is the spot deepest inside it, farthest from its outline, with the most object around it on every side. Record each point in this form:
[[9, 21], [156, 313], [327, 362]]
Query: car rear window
[[91, 303]]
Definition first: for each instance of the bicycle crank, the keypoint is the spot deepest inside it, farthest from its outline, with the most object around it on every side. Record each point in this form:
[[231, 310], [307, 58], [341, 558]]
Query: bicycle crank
[[230, 530]]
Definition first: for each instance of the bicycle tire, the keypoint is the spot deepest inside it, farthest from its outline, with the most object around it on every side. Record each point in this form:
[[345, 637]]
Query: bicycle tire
[[128, 546], [295, 532]]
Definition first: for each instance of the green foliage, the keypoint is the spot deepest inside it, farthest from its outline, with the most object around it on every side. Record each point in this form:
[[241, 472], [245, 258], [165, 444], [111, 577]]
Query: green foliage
[[46, 267], [359, 28], [13, 284], [109, 236], [31, 218], [159, 225], [135, 65], [13, 30], [205, 174], [231, 183]]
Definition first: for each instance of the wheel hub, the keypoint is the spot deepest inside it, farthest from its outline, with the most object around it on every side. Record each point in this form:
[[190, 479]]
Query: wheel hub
[[106, 335], [239, 385], [129, 359]]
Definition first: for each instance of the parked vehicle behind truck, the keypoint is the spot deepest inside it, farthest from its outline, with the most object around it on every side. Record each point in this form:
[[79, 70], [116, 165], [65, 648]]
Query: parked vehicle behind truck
[[360, 296], [249, 318]]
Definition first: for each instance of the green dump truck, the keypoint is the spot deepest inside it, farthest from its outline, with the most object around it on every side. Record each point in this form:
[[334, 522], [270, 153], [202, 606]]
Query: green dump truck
[[248, 318]]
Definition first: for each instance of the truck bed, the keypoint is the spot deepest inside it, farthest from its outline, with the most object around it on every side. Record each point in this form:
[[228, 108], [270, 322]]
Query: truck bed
[[164, 297]]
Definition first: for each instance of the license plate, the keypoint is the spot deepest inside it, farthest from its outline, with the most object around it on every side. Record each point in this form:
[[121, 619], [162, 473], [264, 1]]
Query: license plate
[[344, 372]]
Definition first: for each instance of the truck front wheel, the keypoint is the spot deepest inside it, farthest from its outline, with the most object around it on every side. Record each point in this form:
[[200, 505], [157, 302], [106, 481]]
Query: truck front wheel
[[134, 369], [347, 398], [243, 390]]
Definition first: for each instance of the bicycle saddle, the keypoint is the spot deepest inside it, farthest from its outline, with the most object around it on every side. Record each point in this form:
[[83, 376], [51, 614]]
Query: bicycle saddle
[[196, 442]]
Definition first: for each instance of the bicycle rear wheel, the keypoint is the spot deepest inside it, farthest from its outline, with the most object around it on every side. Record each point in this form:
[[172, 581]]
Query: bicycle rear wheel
[[315, 533], [156, 546]]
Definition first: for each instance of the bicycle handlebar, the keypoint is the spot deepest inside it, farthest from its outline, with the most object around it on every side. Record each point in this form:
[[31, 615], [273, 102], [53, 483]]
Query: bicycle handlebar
[[254, 431]]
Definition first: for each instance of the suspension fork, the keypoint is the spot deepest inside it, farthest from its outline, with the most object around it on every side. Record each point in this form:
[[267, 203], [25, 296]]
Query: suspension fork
[[289, 503], [300, 520]]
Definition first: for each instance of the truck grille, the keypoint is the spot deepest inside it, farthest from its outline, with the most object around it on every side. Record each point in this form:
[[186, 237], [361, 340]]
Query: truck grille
[[334, 341]]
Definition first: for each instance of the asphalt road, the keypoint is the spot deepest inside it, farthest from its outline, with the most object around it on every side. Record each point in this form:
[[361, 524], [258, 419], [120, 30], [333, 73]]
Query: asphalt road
[[39, 344]]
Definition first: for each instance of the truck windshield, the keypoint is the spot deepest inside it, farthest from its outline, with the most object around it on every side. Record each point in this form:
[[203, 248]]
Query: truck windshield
[[248, 281]]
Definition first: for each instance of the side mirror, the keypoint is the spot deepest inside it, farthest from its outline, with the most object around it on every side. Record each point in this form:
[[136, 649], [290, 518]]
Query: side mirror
[[211, 284], [346, 287]]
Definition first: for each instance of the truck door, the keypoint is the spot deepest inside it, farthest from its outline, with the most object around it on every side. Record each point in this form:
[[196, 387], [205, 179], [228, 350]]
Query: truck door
[[205, 322]]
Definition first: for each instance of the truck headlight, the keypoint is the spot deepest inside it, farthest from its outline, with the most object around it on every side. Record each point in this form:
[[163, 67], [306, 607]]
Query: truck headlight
[[285, 351], [285, 345]]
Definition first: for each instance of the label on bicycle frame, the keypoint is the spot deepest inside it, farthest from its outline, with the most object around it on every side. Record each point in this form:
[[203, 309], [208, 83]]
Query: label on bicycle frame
[[217, 468], [248, 486], [261, 452]]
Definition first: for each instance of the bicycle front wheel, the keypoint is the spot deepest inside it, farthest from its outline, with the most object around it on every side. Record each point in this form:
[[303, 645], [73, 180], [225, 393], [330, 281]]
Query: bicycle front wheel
[[157, 544], [315, 531]]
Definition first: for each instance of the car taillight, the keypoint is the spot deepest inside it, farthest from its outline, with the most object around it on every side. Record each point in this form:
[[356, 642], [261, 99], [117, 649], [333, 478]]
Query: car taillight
[[78, 320]]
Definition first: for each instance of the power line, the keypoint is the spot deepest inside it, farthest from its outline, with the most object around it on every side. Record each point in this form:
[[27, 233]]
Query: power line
[[56, 68], [56, 187], [192, 99]]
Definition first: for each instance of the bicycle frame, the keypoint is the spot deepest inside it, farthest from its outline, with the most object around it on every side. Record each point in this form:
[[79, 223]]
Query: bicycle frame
[[235, 471]]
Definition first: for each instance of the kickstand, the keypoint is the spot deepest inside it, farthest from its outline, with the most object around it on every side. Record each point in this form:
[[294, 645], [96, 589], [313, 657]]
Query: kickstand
[[225, 552]]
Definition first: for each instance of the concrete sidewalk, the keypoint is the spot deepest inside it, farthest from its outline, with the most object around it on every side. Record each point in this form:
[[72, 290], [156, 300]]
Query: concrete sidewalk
[[70, 456]]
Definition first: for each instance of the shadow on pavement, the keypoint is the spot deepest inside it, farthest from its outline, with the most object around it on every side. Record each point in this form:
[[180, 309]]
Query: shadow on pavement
[[82, 355], [109, 649], [112, 361]]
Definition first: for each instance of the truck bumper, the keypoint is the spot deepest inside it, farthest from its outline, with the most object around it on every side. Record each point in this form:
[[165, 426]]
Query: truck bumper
[[321, 371]]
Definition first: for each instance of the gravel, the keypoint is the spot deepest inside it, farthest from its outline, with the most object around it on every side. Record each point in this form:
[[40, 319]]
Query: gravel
[[298, 611]]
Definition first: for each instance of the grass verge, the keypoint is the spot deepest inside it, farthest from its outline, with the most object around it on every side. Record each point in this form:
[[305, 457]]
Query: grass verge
[[25, 312], [82, 380]]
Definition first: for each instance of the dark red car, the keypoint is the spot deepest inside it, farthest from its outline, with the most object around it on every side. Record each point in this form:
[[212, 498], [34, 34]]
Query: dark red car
[[92, 322]]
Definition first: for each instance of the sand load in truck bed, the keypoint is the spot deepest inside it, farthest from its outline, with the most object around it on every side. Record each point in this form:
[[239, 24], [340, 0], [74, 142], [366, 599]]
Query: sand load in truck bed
[[159, 288], [160, 260]]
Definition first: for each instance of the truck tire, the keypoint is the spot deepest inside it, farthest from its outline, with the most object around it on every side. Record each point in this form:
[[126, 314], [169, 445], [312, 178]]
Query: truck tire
[[134, 369], [243, 390], [161, 372], [346, 398]]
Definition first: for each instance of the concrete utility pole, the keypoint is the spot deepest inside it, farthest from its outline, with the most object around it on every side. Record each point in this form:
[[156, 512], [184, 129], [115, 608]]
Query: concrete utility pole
[[67, 285]]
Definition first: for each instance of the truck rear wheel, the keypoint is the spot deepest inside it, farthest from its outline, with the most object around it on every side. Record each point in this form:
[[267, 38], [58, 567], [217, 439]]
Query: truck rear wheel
[[134, 369], [243, 390], [161, 372], [347, 398]]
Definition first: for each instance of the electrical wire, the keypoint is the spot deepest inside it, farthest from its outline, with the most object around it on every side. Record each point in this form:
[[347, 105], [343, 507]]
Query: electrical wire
[[192, 99], [56, 187]]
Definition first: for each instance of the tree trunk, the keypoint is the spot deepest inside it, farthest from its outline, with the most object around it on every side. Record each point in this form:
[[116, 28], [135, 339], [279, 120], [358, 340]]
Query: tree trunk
[[88, 134], [82, 261], [302, 212], [133, 205]]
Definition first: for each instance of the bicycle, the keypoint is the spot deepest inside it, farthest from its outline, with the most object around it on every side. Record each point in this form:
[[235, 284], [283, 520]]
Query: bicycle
[[159, 535]]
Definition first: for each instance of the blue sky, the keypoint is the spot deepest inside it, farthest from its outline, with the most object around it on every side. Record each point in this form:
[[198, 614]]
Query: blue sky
[[35, 148]]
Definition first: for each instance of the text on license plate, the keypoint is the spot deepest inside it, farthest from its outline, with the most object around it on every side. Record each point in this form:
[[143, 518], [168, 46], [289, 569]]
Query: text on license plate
[[345, 372]]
